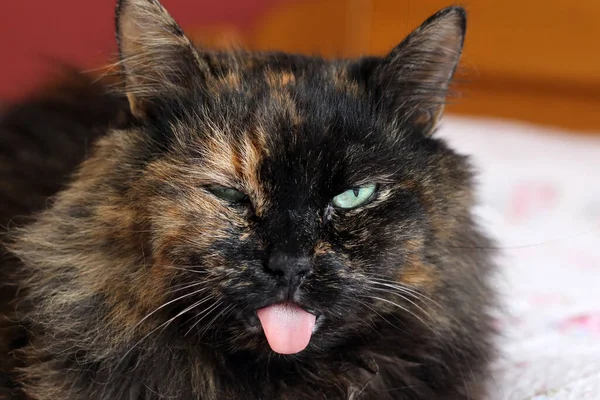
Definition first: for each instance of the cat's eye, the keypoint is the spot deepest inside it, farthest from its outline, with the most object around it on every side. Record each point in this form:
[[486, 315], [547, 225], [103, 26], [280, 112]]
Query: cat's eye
[[354, 197], [229, 194]]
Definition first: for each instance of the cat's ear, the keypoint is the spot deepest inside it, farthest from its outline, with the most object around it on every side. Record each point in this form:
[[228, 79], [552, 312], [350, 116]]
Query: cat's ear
[[156, 57], [412, 81]]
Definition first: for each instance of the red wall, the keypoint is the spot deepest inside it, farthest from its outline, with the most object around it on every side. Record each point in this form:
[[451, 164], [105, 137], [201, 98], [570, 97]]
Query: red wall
[[82, 31]]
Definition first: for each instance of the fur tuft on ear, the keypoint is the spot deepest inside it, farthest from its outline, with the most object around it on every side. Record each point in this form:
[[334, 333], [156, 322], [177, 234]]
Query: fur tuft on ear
[[413, 80], [155, 55]]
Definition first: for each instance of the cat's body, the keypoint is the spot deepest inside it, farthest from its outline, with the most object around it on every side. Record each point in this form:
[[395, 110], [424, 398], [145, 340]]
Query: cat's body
[[141, 278]]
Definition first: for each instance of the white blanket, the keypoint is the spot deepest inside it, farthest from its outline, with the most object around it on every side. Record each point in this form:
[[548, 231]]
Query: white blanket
[[540, 197]]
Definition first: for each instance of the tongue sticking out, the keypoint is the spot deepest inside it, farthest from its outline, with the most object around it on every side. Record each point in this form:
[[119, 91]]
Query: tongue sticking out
[[288, 328]]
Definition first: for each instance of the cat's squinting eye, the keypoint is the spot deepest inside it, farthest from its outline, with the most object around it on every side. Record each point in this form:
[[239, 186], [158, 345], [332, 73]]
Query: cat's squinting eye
[[354, 197], [229, 194]]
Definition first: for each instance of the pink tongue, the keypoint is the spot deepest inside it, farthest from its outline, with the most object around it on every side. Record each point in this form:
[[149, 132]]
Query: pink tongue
[[288, 328]]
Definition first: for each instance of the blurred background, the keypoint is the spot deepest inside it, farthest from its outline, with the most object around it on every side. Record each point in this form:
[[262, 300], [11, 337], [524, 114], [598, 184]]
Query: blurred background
[[530, 60], [528, 114]]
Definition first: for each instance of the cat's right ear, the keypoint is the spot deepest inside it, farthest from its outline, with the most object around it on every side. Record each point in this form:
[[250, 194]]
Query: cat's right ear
[[156, 57]]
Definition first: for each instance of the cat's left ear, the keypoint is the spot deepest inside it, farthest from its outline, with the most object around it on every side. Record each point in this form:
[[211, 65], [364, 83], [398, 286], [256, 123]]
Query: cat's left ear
[[413, 80]]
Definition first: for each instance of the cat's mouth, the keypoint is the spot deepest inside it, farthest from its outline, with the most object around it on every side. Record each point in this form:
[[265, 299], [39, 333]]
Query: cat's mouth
[[287, 326]]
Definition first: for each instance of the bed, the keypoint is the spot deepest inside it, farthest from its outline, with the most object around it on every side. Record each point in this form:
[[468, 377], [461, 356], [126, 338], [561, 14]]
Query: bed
[[539, 191]]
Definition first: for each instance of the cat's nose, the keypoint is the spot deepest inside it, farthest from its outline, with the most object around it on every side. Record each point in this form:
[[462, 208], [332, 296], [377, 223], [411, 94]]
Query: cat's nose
[[290, 270]]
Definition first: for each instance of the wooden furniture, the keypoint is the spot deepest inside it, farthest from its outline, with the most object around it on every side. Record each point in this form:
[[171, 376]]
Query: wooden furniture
[[533, 60], [530, 60]]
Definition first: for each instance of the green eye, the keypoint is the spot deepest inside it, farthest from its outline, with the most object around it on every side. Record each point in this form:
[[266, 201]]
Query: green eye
[[228, 194], [354, 197]]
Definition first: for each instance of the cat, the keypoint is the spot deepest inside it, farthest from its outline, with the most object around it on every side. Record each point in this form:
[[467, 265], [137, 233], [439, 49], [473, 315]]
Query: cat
[[243, 225]]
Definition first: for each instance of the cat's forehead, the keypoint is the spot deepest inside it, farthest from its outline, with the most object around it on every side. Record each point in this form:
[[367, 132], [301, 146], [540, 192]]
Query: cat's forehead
[[276, 73], [281, 106]]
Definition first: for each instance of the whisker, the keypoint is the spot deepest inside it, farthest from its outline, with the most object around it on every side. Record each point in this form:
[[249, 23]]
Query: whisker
[[164, 325], [191, 268], [220, 315], [378, 314], [196, 304], [166, 304], [403, 309], [413, 293], [406, 289], [185, 286], [204, 314], [403, 298]]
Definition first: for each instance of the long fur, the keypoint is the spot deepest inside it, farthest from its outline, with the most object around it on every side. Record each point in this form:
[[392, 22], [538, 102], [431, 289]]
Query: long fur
[[125, 277]]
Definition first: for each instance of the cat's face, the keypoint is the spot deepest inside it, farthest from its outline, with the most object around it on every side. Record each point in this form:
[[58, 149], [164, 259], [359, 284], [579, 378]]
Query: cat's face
[[288, 187], [290, 193], [303, 193]]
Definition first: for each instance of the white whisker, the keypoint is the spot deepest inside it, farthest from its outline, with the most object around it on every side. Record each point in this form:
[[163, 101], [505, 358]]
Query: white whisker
[[404, 309], [221, 314], [204, 314], [191, 268], [406, 289], [166, 304], [167, 323], [403, 298]]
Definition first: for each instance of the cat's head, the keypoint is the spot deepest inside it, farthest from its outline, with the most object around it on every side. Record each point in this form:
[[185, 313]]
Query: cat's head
[[309, 193]]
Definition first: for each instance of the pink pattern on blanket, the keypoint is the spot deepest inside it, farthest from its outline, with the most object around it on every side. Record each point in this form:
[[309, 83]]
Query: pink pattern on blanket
[[541, 199], [530, 198], [586, 324]]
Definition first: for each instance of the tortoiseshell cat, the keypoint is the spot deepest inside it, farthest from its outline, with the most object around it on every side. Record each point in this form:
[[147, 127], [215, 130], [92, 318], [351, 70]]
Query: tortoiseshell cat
[[244, 226]]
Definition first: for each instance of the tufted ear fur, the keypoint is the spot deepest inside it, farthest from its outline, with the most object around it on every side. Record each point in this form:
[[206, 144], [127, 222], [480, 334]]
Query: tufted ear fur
[[413, 80], [156, 56]]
